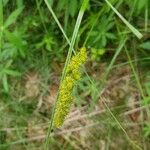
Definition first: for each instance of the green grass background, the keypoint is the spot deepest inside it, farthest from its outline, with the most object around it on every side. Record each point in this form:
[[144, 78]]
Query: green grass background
[[111, 106]]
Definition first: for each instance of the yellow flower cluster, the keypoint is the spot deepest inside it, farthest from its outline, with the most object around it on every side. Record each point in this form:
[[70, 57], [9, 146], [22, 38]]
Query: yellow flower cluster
[[65, 97]]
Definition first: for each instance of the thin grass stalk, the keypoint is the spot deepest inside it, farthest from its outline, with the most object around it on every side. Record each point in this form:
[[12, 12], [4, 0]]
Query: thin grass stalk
[[132, 28], [41, 15], [1, 25]]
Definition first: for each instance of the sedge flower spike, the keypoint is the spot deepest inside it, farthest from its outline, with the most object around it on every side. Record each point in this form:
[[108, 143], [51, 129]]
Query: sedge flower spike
[[65, 97]]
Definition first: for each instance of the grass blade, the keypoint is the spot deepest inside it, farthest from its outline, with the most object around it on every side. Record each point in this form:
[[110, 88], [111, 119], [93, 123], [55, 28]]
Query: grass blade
[[133, 29], [1, 23], [55, 18], [12, 17]]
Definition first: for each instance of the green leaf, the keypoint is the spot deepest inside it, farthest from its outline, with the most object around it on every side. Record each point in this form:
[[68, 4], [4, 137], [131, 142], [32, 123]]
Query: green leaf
[[9, 51], [110, 36], [1, 13], [16, 41], [101, 51], [50, 2], [140, 4], [5, 83], [5, 2], [12, 72], [146, 130], [131, 27], [12, 17], [84, 5], [19, 3], [73, 7], [62, 4], [145, 45], [8, 64]]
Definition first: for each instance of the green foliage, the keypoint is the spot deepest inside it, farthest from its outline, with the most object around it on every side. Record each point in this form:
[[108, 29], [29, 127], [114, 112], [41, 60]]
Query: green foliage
[[12, 17], [146, 130], [5, 71], [31, 40], [85, 85], [102, 32], [146, 100], [145, 45], [97, 53], [11, 46], [71, 5], [19, 3], [138, 4], [47, 42]]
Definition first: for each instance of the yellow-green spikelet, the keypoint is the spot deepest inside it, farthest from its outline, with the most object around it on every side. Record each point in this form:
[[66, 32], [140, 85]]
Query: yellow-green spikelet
[[65, 97]]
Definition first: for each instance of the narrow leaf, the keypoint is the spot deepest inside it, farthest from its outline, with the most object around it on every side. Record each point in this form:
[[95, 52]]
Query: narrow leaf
[[12, 72], [13, 16], [5, 2], [145, 45], [133, 29], [5, 83], [1, 13], [19, 3], [16, 41], [73, 5]]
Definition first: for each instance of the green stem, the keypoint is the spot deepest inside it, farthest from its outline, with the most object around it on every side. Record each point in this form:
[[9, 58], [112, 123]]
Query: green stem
[[1, 25]]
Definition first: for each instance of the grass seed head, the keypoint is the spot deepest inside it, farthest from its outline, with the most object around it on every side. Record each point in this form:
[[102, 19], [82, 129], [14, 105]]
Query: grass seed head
[[65, 97]]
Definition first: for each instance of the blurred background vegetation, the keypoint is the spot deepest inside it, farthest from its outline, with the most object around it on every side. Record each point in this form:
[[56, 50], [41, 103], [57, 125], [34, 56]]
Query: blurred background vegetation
[[33, 51]]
